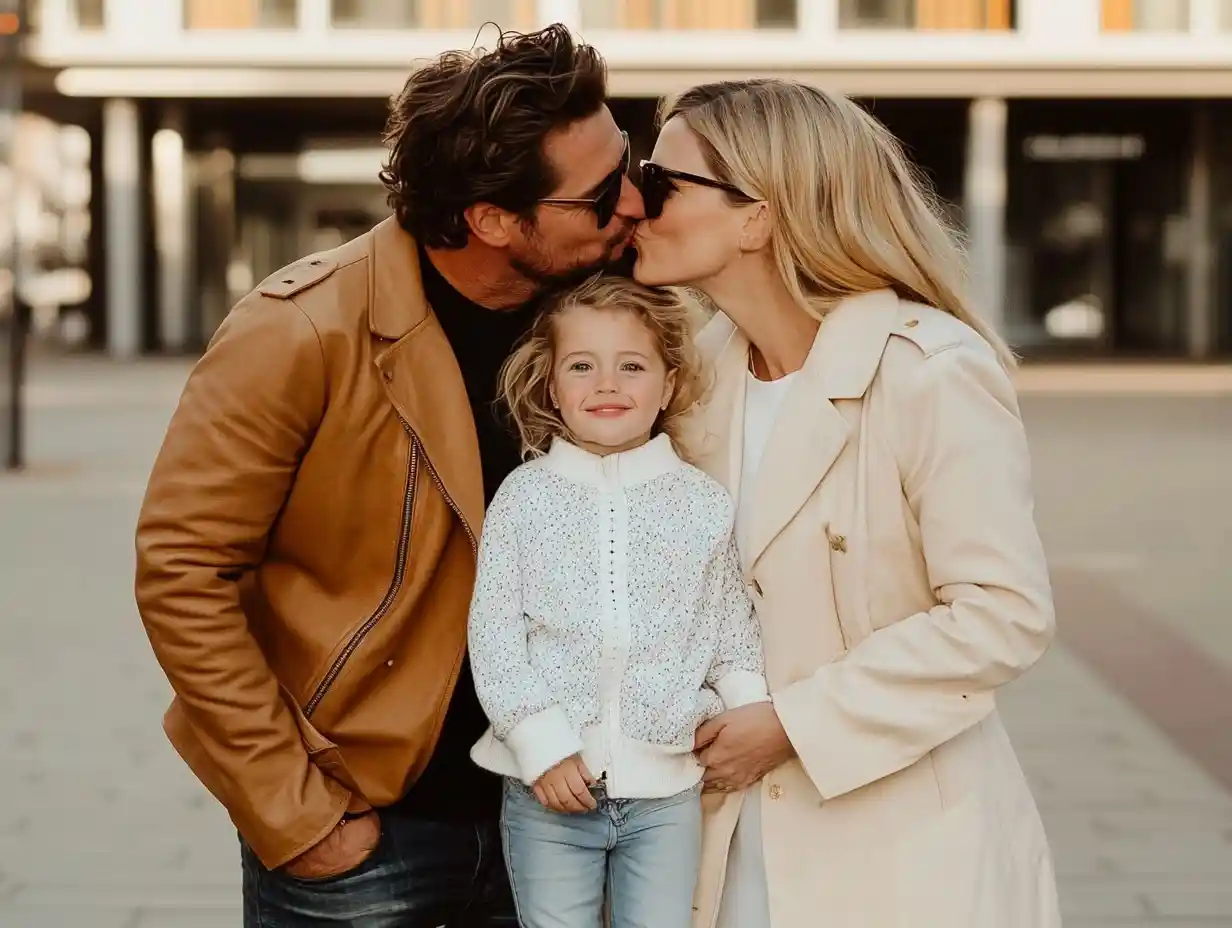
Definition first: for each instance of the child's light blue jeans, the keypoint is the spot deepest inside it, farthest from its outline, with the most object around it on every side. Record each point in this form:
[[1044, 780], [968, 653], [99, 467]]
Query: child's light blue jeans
[[644, 851]]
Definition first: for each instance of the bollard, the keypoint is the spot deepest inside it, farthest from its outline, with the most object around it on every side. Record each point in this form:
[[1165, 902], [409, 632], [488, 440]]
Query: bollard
[[14, 315], [16, 328]]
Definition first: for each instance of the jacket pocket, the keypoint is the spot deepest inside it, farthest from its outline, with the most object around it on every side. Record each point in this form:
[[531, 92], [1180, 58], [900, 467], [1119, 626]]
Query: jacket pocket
[[326, 755]]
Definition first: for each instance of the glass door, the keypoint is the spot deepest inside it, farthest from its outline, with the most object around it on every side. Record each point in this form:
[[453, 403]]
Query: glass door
[[1072, 280], [1097, 228]]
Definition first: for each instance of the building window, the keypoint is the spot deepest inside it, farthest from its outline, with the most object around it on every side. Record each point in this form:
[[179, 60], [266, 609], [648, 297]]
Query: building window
[[876, 14], [240, 14], [373, 14], [926, 14], [90, 14], [431, 14], [776, 14], [1147, 15], [688, 14]]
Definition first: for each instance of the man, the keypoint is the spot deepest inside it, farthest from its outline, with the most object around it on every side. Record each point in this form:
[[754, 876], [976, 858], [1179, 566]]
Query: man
[[306, 546]]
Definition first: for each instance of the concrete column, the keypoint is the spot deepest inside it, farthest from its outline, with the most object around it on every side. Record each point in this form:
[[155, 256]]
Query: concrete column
[[1200, 308], [1050, 24], [1204, 18], [132, 21], [314, 17], [216, 184], [123, 228], [568, 12], [984, 194], [172, 229], [818, 19], [55, 17]]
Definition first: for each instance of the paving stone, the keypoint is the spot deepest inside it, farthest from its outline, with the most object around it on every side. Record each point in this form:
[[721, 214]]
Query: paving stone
[[222, 918], [67, 916], [1193, 902], [1088, 900], [1148, 922], [127, 892]]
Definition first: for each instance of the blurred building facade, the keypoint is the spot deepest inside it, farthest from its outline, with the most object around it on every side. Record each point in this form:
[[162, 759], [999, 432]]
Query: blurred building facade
[[184, 149]]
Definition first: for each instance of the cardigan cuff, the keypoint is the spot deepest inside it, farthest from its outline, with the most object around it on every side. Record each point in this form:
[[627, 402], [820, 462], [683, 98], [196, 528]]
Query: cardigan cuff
[[742, 687], [541, 741]]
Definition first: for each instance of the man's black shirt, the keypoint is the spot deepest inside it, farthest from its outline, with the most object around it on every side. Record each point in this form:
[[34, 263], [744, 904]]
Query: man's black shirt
[[452, 786]]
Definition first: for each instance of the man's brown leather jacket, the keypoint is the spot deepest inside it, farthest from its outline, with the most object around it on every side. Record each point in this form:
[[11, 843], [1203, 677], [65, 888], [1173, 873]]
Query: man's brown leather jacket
[[306, 549]]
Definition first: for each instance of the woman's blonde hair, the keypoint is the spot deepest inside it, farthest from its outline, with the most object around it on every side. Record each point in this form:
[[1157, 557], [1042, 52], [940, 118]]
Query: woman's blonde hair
[[851, 213], [526, 377]]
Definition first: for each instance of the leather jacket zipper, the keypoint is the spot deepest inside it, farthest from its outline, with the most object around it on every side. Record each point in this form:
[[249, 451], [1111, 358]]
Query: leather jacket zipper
[[408, 510], [452, 505]]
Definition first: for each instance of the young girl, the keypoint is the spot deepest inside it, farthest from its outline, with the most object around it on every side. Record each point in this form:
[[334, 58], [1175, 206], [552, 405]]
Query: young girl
[[609, 617]]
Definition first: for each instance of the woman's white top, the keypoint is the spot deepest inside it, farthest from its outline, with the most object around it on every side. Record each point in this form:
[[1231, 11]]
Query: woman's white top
[[745, 902], [609, 617]]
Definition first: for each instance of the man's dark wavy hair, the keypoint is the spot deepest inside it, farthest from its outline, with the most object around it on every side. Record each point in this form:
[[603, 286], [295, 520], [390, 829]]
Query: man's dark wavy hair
[[469, 128]]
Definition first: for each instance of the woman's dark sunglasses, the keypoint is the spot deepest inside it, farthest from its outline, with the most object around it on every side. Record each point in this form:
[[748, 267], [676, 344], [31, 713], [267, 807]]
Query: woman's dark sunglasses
[[659, 183], [607, 194]]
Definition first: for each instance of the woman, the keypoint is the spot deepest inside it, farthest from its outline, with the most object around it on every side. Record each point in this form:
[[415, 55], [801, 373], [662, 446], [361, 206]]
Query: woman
[[864, 419]]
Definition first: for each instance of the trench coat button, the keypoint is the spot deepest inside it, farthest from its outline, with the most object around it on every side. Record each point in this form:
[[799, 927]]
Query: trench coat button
[[776, 791], [911, 323], [839, 543]]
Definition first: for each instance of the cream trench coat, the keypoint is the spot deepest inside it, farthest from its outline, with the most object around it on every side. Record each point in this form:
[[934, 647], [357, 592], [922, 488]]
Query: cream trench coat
[[899, 580]]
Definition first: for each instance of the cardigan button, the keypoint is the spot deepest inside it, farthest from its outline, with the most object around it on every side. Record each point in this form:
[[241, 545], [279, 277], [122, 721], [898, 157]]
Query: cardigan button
[[776, 792], [754, 586]]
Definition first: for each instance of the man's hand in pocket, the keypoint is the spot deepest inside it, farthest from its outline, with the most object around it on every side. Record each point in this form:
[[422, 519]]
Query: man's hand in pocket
[[340, 851]]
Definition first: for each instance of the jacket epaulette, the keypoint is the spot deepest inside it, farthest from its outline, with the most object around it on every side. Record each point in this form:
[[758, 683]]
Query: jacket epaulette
[[297, 277], [929, 329]]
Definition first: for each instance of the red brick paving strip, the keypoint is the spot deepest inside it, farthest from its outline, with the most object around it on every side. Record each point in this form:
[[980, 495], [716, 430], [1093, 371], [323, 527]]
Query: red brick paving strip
[[1186, 692]]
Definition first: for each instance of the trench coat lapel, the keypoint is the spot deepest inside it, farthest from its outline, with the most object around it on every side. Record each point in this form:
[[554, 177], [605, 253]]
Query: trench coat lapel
[[809, 431]]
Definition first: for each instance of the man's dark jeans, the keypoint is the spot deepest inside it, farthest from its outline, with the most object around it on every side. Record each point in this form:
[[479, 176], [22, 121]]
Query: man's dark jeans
[[423, 874]]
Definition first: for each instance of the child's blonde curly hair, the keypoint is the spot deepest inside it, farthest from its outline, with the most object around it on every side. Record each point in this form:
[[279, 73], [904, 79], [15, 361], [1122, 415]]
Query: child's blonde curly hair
[[670, 315]]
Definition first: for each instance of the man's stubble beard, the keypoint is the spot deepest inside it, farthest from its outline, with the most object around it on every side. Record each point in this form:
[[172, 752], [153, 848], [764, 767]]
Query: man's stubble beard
[[551, 281]]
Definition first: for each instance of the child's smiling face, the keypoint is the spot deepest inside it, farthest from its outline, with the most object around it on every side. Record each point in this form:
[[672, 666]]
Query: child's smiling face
[[609, 380]]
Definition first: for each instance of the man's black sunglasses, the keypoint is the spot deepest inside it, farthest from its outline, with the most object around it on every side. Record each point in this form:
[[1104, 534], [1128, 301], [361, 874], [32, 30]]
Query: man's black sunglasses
[[607, 194], [659, 183]]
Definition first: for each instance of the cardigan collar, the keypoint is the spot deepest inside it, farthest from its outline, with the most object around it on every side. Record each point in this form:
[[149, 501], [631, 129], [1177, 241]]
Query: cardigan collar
[[613, 471]]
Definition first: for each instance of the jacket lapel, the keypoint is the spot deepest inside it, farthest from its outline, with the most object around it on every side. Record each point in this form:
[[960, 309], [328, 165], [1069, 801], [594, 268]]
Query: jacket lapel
[[420, 373], [809, 432], [807, 437]]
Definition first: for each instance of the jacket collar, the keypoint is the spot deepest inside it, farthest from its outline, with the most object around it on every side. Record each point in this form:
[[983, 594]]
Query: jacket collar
[[809, 431], [419, 371], [846, 350], [618, 471], [395, 282]]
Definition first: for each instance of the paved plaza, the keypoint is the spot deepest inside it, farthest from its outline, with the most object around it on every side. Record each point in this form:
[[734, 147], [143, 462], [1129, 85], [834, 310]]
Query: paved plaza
[[1122, 727]]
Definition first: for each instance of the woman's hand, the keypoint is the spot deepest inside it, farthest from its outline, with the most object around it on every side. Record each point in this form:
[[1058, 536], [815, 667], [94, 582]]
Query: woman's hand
[[566, 787], [741, 746]]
